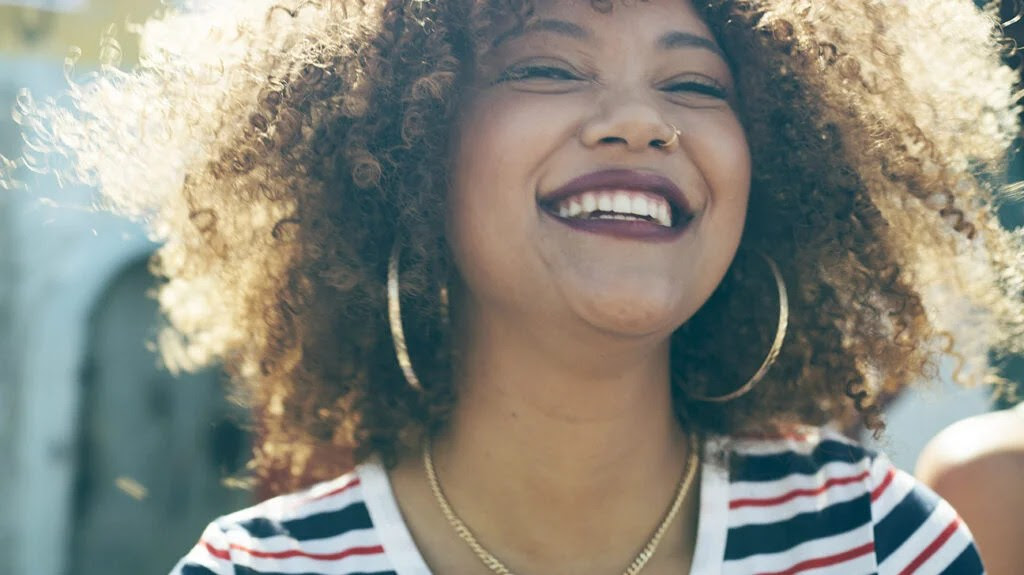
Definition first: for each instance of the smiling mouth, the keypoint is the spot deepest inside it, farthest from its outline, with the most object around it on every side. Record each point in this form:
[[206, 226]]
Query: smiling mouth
[[618, 205], [623, 203]]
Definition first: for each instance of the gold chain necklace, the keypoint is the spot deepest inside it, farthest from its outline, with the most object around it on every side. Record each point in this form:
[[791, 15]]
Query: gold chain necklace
[[496, 566]]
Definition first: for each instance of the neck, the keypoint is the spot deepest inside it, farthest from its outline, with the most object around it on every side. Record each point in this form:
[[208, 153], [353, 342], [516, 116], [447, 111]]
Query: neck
[[555, 446], [576, 423]]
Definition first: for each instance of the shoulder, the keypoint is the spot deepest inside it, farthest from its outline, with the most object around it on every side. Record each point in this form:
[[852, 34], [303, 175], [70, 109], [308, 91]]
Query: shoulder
[[808, 476], [327, 522], [975, 458], [796, 452], [987, 448], [848, 502], [976, 464], [327, 509]]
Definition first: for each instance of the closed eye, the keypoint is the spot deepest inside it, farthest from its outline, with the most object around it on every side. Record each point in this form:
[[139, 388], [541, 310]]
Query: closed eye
[[517, 73], [697, 87]]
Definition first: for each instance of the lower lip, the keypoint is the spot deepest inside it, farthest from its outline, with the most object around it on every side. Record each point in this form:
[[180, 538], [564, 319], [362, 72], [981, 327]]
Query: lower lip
[[625, 229]]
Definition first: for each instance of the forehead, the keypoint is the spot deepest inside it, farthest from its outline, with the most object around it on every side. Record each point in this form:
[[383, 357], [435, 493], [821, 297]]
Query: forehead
[[638, 15], [667, 25], [670, 24]]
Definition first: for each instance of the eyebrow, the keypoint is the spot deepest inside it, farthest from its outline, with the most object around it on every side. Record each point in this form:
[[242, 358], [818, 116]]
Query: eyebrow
[[670, 41], [677, 40], [562, 27]]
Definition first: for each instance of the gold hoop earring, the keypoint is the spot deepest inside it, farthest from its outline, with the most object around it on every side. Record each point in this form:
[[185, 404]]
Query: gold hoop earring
[[671, 142], [395, 321], [773, 353]]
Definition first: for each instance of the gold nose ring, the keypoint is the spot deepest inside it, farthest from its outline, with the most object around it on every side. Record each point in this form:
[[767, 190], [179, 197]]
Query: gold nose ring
[[672, 142]]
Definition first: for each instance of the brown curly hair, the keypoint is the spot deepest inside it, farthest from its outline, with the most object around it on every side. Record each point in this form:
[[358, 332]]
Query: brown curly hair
[[280, 148]]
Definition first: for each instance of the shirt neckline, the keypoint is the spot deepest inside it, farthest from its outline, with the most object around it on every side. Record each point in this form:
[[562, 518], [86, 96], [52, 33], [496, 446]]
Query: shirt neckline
[[406, 559], [394, 535]]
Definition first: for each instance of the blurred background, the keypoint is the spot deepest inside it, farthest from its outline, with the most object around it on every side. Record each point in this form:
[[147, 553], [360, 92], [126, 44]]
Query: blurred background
[[113, 465]]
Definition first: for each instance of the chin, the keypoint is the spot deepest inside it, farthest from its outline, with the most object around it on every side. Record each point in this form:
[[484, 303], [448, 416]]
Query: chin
[[631, 316]]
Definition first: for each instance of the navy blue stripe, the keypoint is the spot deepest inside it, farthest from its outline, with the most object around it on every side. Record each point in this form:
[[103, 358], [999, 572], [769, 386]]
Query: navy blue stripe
[[776, 537], [967, 563], [778, 465], [317, 526], [195, 570], [903, 521], [239, 570]]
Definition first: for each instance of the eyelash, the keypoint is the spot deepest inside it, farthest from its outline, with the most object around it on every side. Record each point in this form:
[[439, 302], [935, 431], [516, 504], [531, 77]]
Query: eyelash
[[705, 88], [555, 73], [532, 72]]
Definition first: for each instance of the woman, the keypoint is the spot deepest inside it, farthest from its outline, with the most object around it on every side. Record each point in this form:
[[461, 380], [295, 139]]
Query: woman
[[577, 280]]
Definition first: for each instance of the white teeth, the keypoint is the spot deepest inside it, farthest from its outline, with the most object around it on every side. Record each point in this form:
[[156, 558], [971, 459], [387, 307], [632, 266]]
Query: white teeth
[[640, 206], [575, 208], [589, 202], [624, 205], [664, 215]]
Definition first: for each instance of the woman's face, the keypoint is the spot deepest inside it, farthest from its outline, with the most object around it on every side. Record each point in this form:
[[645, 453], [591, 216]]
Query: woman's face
[[566, 203]]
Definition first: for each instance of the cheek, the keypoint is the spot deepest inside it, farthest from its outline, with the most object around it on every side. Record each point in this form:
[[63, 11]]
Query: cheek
[[723, 158], [726, 166], [484, 164], [505, 133], [491, 198], [501, 145]]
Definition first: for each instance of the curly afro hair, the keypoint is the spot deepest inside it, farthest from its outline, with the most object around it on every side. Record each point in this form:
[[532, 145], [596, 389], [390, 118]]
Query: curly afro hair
[[280, 148]]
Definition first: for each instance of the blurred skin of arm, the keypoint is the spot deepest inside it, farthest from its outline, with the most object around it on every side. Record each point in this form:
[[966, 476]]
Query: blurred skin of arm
[[978, 466]]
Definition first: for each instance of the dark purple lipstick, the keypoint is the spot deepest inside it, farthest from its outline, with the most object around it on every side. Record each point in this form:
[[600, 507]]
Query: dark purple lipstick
[[630, 182]]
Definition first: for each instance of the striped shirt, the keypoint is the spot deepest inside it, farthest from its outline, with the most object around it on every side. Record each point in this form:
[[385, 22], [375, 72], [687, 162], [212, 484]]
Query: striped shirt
[[811, 503]]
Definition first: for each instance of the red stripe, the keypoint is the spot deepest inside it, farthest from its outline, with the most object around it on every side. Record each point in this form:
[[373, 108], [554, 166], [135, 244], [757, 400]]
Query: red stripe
[[218, 553], [931, 549], [226, 555], [374, 550], [338, 490], [796, 493], [878, 491], [826, 561]]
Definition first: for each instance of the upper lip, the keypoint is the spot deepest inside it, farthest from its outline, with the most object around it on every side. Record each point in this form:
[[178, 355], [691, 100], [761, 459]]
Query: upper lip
[[622, 179]]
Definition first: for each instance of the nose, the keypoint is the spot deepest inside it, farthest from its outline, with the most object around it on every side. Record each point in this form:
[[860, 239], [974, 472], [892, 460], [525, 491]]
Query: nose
[[630, 121]]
